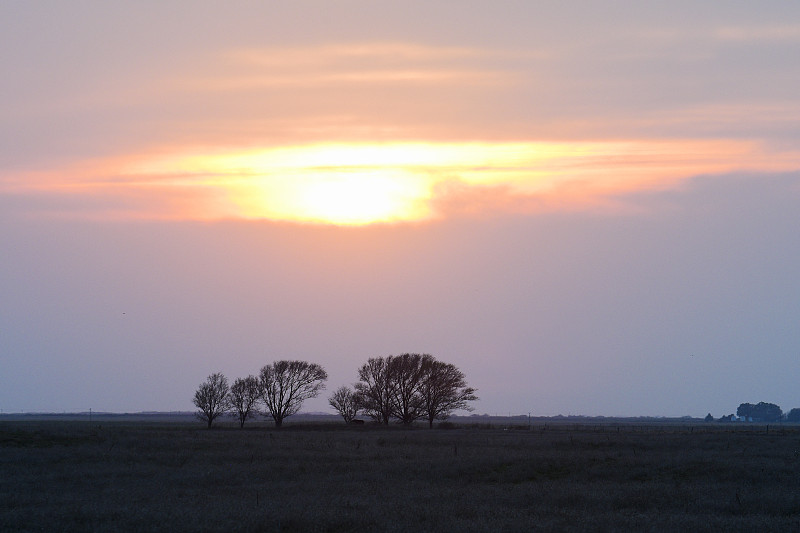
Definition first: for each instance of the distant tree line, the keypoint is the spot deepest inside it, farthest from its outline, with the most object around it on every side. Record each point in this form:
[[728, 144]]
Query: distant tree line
[[402, 388], [760, 412], [405, 388], [281, 388]]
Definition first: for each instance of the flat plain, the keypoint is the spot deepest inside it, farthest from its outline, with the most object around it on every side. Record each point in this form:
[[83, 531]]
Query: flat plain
[[163, 476]]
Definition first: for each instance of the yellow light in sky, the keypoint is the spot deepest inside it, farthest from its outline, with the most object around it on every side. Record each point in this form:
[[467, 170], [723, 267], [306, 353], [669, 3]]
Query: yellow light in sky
[[336, 184], [352, 197], [363, 183]]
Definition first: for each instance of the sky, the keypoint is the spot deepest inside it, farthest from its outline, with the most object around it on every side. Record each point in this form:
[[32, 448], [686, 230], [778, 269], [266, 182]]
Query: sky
[[589, 208]]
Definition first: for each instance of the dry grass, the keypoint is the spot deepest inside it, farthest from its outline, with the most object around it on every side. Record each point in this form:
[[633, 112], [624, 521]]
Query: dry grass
[[74, 476]]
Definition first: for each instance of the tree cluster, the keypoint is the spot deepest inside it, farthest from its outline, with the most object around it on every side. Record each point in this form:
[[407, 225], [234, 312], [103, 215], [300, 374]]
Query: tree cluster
[[281, 388], [402, 388], [760, 412], [405, 388]]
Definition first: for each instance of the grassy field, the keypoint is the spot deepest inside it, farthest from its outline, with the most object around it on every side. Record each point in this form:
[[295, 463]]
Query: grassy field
[[122, 476]]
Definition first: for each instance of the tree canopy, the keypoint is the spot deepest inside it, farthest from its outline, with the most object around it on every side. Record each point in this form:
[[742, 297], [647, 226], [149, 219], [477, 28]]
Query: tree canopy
[[411, 386], [444, 390], [347, 403], [760, 412], [211, 398], [407, 373], [375, 389], [285, 385], [244, 396]]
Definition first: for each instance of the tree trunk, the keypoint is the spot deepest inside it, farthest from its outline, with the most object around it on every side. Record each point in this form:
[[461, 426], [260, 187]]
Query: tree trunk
[[278, 421]]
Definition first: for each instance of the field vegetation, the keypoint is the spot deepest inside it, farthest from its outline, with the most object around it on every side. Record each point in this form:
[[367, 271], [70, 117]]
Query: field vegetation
[[138, 476]]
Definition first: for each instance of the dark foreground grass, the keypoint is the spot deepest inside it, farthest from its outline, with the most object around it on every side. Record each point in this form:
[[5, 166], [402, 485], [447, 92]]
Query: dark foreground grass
[[59, 476]]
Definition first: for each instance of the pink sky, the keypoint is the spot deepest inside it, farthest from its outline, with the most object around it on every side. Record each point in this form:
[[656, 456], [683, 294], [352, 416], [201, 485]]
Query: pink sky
[[589, 209]]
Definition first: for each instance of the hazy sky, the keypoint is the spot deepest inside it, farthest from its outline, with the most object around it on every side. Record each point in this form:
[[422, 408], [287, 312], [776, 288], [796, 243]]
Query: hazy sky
[[589, 208]]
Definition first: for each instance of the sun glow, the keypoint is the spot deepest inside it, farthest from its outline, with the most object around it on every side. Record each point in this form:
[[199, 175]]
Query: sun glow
[[363, 183], [354, 197], [335, 184]]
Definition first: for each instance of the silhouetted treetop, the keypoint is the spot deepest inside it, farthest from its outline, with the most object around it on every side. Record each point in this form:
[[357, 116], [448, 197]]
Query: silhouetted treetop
[[244, 396], [211, 398], [285, 385], [760, 412], [411, 386], [347, 403]]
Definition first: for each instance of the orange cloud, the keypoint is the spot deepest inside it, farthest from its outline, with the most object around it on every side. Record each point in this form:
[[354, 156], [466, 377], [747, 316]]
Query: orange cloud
[[379, 52], [374, 63], [362, 183]]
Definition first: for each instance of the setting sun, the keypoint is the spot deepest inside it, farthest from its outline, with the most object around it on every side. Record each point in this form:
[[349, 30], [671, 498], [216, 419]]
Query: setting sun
[[361, 183], [354, 197], [334, 184]]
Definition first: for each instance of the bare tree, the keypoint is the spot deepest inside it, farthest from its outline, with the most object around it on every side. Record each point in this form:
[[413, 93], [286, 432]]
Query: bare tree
[[244, 394], [444, 390], [212, 398], [285, 385], [407, 372], [347, 403], [375, 389], [412, 386]]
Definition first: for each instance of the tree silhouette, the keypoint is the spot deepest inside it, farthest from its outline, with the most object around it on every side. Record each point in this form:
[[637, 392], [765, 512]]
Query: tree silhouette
[[211, 398], [761, 412], [285, 385], [407, 375], [347, 403], [412, 386], [374, 389], [444, 390], [243, 396]]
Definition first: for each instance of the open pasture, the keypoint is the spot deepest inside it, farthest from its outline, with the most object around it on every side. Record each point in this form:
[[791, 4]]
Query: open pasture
[[121, 476]]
